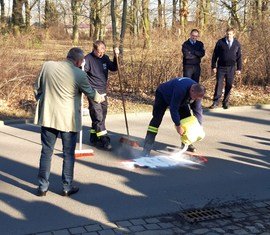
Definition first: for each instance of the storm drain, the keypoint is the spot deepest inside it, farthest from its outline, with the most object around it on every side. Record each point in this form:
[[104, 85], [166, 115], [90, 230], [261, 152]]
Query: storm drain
[[199, 215]]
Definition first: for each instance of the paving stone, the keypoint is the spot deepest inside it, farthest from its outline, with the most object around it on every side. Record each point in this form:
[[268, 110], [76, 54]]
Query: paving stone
[[152, 220], [106, 232], [252, 229], [241, 232], [151, 226], [259, 226], [155, 232], [91, 233], [121, 230], [77, 230], [201, 231], [265, 233], [178, 231], [136, 228], [46, 233], [108, 225], [263, 210], [212, 233], [166, 225], [137, 221], [93, 228], [219, 230], [260, 204], [238, 214], [124, 223], [61, 232]]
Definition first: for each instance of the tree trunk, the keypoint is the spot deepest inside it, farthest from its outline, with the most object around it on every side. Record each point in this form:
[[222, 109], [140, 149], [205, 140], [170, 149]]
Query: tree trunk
[[123, 27], [27, 15], [17, 17], [174, 18], [235, 21], [160, 21], [114, 29], [3, 17], [75, 15], [146, 23], [183, 13]]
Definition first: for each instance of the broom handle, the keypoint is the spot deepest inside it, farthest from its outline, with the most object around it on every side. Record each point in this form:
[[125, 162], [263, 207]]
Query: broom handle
[[121, 91], [80, 138]]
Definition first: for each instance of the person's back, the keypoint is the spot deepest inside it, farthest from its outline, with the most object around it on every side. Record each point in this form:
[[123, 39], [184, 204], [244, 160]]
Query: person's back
[[61, 101]]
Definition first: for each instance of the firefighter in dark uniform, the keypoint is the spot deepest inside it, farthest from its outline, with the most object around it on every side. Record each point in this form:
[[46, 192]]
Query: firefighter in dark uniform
[[97, 66], [193, 51], [179, 94]]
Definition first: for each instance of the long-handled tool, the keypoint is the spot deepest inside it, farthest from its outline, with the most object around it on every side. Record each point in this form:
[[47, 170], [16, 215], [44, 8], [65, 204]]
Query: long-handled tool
[[124, 139], [83, 152]]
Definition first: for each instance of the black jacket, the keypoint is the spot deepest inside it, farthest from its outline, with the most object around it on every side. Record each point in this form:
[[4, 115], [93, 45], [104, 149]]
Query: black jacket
[[97, 70], [192, 53], [224, 56]]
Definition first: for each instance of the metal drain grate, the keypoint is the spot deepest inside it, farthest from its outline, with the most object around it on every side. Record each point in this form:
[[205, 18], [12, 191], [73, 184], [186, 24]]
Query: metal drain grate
[[199, 215]]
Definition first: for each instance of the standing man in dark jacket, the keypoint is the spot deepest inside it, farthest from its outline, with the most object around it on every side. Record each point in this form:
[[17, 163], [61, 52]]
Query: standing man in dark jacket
[[178, 94], [97, 66], [226, 54], [193, 51]]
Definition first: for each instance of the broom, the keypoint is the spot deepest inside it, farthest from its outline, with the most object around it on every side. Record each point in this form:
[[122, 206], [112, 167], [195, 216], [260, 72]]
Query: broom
[[124, 139], [83, 152]]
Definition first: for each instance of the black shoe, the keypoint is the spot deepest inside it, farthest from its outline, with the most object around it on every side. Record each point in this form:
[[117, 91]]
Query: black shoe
[[213, 106], [105, 140], [41, 193], [73, 190], [107, 146], [94, 139], [191, 148], [225, 106]]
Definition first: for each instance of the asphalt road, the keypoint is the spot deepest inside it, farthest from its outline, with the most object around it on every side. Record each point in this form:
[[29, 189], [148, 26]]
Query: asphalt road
[[236, 147]]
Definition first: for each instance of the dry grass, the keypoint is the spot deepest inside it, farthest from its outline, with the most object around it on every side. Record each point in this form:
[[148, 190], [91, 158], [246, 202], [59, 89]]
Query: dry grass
[[142, 69]]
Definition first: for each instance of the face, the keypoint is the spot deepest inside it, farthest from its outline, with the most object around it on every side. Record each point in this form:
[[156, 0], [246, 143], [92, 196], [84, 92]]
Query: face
[[100, 51], [194, 36], [230, 35], [195, 96], [79, 63]]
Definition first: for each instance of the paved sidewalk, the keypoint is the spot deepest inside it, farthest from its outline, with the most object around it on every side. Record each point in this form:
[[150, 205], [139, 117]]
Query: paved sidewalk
[[245, 218]]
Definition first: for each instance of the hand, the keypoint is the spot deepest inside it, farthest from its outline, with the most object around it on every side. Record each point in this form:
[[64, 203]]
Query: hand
[[116, 51], [238, 72], [214, 71], [179, 130], [99, 98]]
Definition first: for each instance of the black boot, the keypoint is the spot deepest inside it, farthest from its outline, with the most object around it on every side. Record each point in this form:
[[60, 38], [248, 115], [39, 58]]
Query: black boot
[[93, 138], [106, 142], [148, 143]]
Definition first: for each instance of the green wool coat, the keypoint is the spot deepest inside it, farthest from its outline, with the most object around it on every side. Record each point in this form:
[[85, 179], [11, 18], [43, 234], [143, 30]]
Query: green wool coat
[[58, 91]]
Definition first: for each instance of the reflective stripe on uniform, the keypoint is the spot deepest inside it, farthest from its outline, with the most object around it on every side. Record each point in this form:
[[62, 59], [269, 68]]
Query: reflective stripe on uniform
[[101, 133], [152, 129], [92, 131]]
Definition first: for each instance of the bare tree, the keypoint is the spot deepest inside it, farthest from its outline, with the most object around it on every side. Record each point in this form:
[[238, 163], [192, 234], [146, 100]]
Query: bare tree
[[75, 8], [123, 26], [114, 28], [183, 12], [17, 16], [146, 23]]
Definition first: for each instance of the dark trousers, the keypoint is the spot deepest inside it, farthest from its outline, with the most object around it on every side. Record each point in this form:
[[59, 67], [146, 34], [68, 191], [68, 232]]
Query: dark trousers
[[98, 113], [48, 139], [159, 109], [228, 74], [192, 71]]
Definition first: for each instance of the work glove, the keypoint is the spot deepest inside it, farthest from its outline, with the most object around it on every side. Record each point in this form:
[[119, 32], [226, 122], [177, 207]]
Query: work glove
[[99, 98]]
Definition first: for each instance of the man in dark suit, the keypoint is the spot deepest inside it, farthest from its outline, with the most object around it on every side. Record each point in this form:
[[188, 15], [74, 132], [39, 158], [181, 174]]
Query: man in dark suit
[[227, 54], [193, 51]]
